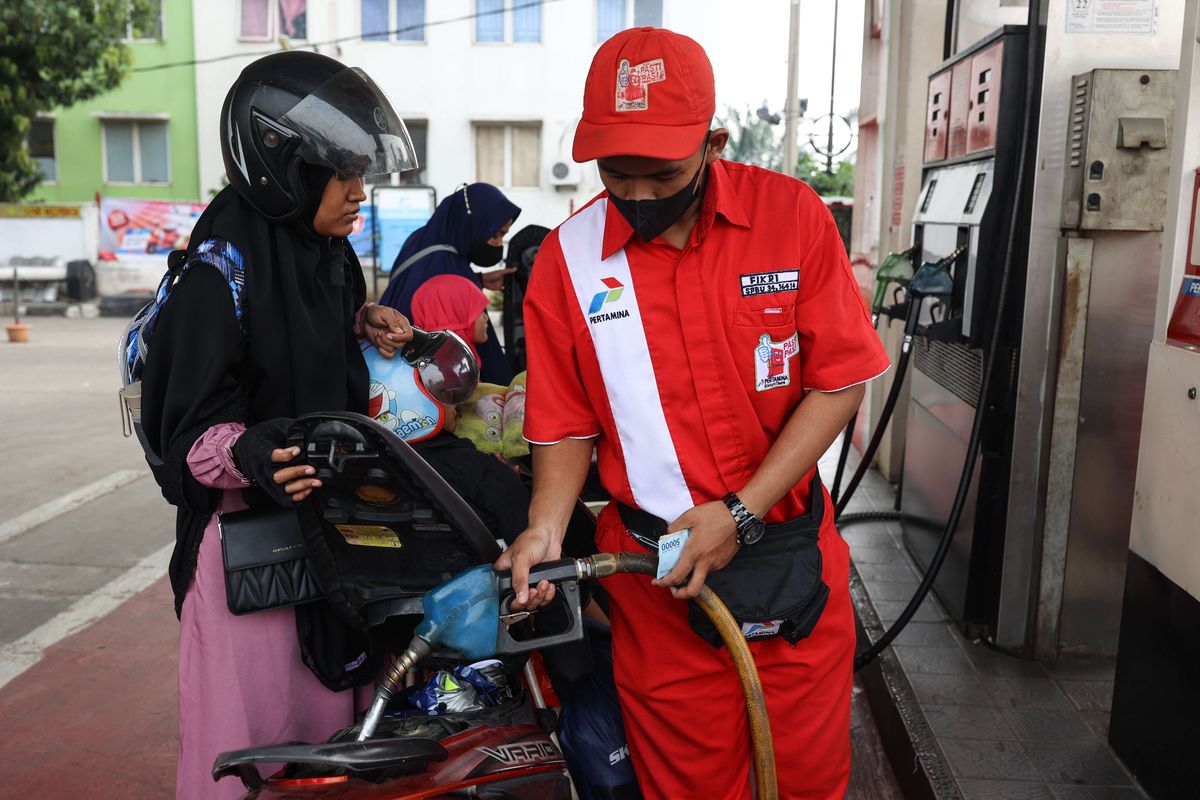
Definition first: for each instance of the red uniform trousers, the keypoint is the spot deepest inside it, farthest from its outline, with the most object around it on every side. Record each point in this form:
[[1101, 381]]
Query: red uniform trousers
[[685, 714]]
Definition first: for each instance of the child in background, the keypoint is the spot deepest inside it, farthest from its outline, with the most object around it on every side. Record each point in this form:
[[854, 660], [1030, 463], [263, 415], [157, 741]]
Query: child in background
[[453, 303], [399, 402]]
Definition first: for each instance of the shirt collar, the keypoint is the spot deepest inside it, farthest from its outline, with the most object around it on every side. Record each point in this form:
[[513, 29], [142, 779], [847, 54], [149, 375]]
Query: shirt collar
[[719, 199]]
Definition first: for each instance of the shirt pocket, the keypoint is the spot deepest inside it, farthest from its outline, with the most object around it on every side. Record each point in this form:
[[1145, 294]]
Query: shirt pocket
[[765, 351], [768, 318]]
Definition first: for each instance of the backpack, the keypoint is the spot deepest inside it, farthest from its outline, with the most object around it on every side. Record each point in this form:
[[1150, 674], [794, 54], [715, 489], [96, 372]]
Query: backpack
[[134, 347]]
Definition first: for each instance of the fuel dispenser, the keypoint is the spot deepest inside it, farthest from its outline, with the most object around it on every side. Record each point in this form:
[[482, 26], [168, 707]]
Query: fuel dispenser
[[967, 205], [1117, 128]]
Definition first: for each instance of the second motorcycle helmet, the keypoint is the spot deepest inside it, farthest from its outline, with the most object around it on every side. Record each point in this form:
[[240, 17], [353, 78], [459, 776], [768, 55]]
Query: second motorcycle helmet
[[298, 107]]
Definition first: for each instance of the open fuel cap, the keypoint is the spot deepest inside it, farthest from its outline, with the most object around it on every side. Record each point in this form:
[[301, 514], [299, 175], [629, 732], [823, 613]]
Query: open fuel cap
[[445, 364]]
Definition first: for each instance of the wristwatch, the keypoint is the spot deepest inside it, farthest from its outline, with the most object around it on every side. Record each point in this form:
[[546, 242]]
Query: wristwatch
[[749, 527]]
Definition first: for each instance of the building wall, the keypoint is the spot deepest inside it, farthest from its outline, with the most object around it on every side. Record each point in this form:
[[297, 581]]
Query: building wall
[[902, 43], [449, 81], [168, 93]]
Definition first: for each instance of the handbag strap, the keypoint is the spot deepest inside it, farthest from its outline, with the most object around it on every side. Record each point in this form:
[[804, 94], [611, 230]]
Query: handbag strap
[[417, 256]]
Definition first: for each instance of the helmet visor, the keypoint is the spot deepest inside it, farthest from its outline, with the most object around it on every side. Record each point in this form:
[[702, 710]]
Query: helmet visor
[[445, 364], [348, 125]]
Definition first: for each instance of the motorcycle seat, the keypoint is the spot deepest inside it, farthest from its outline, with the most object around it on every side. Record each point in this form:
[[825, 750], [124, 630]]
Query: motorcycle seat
[[356, 757]]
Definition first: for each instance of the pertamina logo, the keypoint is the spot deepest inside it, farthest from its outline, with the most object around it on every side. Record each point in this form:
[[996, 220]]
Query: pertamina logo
[[633, 83], [609, 295]]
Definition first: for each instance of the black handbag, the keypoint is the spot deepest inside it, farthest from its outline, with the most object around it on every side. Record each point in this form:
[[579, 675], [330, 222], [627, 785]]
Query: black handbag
[[266, 561], [772, 588]]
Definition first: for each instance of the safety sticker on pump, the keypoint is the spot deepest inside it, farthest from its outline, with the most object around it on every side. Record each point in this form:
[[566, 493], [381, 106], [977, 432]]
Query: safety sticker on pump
[[369, 536]]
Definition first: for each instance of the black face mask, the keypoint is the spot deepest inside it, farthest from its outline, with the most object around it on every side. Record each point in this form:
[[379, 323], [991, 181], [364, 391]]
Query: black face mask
[[649, 218], [484, 254]]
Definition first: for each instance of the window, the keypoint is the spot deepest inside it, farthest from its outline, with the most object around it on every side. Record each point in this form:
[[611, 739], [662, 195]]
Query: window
[[614, 16], [647, 12], [527, 21], [41, 148], [263, 20], [144, 21], [136, 151], [418, 130], [492, 19], [489, 22], [401, 20], [508, 155]]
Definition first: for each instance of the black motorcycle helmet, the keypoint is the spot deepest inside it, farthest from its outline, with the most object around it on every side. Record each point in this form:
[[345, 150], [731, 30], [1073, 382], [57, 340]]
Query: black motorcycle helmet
[[299, 107], [523, 249]]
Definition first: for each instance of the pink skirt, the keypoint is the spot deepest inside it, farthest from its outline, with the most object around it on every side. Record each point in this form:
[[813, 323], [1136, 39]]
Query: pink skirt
[[241, 680]]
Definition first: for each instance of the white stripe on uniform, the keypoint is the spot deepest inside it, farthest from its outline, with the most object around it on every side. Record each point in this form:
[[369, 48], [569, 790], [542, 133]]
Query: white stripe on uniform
[[651, 463]]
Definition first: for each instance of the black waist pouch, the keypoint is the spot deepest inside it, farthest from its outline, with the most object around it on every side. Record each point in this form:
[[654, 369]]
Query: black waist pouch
[[266, 561], [773, 587]]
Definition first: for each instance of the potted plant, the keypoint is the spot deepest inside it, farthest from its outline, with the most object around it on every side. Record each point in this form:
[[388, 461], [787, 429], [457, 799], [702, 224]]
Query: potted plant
[[17, 331]]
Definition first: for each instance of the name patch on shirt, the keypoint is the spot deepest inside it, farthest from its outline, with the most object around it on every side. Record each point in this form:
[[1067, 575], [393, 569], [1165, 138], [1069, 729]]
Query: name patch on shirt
[[773, 362], [784, 280]]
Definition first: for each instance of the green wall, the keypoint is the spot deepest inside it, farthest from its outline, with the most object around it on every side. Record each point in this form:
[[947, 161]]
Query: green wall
[[171, 91]]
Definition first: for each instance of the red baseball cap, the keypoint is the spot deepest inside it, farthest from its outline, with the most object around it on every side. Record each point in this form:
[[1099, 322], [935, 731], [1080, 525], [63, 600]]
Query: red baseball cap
[[649, 92]]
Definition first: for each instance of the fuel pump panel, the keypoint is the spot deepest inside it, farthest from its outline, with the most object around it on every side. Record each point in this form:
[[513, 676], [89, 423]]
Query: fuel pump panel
[[1118, 153]]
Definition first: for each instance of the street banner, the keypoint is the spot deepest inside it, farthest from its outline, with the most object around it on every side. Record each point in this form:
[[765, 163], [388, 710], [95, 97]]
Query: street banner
[[134, 228]]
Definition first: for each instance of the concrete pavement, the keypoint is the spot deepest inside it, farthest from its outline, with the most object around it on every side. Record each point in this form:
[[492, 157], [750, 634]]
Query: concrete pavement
[[78, 508]]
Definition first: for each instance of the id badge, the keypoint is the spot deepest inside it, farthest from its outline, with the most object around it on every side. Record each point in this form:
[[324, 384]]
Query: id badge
[[669, 548]]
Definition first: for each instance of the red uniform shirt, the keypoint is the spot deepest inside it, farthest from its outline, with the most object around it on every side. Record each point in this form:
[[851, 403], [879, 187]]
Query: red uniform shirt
[[759, 308]]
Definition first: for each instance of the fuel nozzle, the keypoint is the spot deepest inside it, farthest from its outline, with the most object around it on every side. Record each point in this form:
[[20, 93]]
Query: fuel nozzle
[[392, 680], [470, 615], [933, 279], [896, 268]]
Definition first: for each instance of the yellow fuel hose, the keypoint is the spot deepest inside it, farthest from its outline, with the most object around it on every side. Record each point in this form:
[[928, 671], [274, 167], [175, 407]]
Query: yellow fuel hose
[[602, 565]]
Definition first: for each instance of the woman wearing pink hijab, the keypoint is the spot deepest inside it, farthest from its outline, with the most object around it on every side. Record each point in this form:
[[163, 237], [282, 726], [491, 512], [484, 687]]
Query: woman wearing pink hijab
[[455, 304]]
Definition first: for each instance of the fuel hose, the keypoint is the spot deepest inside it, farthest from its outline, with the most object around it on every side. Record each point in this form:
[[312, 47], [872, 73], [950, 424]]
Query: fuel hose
[[603, 565]]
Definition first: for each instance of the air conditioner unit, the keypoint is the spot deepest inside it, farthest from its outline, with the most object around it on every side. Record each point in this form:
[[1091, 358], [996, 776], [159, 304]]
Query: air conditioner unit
[[564, 173]]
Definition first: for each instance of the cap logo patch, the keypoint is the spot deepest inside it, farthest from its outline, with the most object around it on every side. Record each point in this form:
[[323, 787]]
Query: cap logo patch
[[633, 83]]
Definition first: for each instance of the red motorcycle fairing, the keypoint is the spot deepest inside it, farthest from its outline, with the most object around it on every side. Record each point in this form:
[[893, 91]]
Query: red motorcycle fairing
[[514, 762]]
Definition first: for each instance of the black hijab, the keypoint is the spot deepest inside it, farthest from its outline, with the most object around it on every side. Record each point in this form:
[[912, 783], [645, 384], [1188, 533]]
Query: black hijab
[[302, 291], [299, 354]]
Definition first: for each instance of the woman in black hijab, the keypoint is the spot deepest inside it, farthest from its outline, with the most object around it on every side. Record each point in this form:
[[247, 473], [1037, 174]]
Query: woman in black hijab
[[230, 365]]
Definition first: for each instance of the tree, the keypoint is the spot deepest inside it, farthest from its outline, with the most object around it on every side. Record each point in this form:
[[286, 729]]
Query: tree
[[55, 53], [839, 183], [751, 140]]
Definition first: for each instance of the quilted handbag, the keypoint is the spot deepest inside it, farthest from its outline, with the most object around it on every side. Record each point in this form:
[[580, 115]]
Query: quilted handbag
[[266, 561]]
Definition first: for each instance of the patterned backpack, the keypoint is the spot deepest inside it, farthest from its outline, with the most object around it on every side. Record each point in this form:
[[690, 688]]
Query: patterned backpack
[[135, 342]]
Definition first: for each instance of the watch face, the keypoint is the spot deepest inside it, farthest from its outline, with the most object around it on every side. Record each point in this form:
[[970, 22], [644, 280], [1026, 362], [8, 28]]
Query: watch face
[[754, 531]]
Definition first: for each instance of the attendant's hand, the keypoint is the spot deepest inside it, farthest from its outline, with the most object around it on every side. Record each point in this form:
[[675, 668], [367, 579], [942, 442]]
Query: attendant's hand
[[495, 280], [386, 328], [533, 546], [711, 545]]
